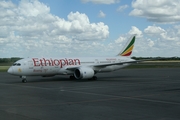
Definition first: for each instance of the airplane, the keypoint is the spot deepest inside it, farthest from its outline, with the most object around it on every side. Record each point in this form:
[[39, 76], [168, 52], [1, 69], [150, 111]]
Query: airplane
[[77, 67]]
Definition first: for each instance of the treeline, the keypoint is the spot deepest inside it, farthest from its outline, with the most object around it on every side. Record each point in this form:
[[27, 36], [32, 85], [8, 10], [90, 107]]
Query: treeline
[[9, 60], [157, 58], [14, 59]]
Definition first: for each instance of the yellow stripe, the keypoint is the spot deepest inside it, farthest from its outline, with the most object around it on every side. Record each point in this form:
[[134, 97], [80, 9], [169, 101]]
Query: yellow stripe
[[128, 50]]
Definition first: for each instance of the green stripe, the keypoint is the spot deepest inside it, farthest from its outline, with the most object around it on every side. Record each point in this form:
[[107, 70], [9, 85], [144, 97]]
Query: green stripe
[[130, 44]]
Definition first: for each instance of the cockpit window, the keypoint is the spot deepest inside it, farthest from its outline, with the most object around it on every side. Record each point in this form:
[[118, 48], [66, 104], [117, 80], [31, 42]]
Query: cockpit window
[[16, 64]]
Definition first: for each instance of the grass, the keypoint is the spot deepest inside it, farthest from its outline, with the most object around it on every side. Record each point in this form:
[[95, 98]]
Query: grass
[[4, 68], [5, 64], [155, 65]]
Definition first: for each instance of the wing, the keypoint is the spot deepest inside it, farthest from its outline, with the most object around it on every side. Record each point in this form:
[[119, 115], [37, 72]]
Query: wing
[[119, 63], [102, 65]]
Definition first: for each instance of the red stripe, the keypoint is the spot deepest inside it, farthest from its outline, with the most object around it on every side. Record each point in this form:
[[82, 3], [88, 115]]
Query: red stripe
[[128, 54]]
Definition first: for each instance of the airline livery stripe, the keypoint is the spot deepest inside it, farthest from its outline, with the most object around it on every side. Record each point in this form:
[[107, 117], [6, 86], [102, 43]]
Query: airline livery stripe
[[130, 44], [128, 50], [128, 54]]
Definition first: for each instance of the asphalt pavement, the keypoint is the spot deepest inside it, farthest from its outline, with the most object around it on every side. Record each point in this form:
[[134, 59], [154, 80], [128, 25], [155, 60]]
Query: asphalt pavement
[[126, 94]]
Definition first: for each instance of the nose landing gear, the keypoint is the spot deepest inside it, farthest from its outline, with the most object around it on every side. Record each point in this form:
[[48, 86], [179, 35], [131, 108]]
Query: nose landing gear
[[23, 79]]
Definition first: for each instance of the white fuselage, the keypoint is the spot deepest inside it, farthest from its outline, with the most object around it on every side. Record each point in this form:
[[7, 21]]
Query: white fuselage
[[65, 66]]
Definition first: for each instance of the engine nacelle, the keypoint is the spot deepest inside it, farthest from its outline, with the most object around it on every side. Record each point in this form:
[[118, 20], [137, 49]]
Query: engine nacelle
[[83, 73]]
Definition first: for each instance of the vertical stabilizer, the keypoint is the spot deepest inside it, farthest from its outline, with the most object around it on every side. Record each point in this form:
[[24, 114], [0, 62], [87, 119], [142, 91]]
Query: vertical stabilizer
[[128, 48]]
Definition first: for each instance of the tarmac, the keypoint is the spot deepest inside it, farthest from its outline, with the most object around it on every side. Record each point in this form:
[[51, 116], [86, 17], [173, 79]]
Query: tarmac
[[126, 94]]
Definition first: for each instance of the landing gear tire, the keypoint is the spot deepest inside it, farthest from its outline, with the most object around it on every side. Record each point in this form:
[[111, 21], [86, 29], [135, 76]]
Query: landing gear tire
[[24, 81], [94, 78], [71, 77]]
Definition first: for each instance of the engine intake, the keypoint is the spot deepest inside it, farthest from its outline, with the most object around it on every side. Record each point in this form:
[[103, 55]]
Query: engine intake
[[83, 73]]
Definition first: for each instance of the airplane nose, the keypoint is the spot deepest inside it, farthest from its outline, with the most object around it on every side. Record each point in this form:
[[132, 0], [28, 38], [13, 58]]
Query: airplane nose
[[10, 70]]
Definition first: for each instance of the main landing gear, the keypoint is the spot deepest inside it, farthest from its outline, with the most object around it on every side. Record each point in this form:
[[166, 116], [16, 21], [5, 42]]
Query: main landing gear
[[23, 79], [94, 78], [73, 78]]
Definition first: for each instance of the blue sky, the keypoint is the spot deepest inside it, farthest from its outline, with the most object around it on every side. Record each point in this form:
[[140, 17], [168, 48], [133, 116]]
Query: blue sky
[[88, 27], [118, 22]]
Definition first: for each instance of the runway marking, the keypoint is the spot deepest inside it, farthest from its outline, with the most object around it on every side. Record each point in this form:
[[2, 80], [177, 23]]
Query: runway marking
[[62, 88], [72, 90], [133, 97], [113, 97], [91, 101]]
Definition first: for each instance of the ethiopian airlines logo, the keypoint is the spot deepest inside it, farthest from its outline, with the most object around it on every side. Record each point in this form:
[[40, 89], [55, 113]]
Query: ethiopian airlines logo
[[19, 70], [55, 62]]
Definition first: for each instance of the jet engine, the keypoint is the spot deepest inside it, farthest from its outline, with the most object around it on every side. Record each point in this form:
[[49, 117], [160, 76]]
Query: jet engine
[[84, 73]]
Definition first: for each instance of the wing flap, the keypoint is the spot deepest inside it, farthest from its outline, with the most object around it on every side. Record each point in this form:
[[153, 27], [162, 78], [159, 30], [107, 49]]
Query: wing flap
[[120, 63], [72, 67], [102, 65]]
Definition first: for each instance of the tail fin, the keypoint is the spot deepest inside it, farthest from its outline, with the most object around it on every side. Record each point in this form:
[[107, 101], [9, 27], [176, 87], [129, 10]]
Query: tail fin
[[127, 50]]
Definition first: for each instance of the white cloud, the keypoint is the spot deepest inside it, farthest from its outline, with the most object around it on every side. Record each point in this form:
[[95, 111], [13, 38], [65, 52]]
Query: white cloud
[[120, 40], [6, 4], [102, 14], [158, 31], [101, 1], [157, 41], [135, 30], [154, 30], [29, 28], [121, 8], [161, 11], [151, 43], [32, 34], [32, 8]]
